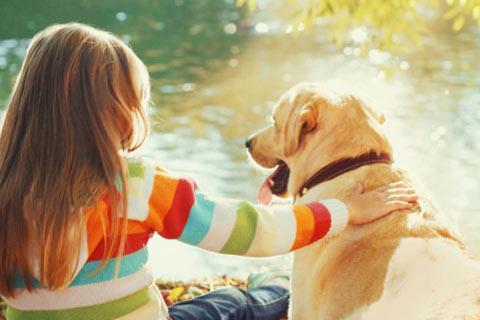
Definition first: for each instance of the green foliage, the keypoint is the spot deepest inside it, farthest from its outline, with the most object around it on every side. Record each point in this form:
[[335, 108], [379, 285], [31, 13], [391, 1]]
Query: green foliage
[[391, 25], [251, 4], [461, 10]]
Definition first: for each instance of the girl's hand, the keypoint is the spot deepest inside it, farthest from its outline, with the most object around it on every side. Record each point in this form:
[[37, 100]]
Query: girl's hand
[[369, 206]]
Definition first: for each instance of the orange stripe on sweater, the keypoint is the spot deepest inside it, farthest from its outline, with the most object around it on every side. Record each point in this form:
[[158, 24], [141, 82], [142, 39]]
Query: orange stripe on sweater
[[98, 225], [179, 212], [161, 200], [305, 226]]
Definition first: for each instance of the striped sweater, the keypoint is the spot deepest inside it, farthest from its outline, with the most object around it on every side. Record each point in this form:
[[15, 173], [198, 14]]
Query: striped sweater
[[172, 206]]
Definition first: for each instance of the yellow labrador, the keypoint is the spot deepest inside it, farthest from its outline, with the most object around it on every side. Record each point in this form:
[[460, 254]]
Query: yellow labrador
[[408, 265]]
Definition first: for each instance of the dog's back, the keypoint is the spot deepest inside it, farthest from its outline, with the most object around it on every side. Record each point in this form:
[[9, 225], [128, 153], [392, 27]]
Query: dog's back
[[409, 265]]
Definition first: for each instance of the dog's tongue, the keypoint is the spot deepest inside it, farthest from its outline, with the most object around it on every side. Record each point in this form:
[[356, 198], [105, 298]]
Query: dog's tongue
[[275, 184], [265, 193]]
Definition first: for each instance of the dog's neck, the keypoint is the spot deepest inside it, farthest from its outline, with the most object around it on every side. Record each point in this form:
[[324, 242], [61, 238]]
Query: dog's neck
[[302, 170], [370, 176], [342, 166], [320, 150]]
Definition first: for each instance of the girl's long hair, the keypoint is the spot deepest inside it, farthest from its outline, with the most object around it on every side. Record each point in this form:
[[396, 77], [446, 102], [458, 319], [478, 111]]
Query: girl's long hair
[[78, 100]]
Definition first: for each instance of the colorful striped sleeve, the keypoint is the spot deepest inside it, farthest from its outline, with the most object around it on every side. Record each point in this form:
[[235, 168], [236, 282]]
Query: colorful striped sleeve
[[179, 210]]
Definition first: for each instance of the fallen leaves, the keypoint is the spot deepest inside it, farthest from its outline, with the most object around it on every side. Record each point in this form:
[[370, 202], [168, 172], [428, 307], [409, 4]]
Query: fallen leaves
[[185, 290]]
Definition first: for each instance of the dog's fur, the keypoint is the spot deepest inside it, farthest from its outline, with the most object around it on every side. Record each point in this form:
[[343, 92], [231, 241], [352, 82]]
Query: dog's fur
[[408, 265]]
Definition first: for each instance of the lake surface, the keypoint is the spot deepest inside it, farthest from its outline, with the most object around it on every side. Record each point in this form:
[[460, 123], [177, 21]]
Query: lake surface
[[217, 71]]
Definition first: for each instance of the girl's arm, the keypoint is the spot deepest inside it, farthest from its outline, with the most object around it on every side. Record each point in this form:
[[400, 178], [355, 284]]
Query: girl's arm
[[177, 209]]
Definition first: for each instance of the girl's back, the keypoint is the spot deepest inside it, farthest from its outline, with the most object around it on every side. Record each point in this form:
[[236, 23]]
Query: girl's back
[[77, 103]]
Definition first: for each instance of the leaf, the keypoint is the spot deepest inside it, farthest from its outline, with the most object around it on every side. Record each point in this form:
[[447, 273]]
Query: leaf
[[339, 37], [252, 5], [451, 13], [211, 284], [458, 23], [195, 291], [476, 12], [184, 297], [389, 72], [175, 293]]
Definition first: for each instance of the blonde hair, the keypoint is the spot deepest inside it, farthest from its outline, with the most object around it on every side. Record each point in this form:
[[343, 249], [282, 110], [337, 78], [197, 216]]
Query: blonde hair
[[79, 94]]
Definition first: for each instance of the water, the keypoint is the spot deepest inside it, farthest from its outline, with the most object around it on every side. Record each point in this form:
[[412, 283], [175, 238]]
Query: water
[[217, 71]]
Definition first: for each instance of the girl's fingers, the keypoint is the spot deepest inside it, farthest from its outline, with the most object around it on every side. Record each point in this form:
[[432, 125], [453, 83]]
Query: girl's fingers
[[402, 197], [395, 185], [400, 184], [400, 191], [398, 205]]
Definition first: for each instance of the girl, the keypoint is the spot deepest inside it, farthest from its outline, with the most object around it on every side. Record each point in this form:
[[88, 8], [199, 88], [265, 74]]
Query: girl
[[75, 214]]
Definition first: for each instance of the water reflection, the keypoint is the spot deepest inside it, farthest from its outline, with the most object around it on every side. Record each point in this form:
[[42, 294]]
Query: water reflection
[[216, 74]]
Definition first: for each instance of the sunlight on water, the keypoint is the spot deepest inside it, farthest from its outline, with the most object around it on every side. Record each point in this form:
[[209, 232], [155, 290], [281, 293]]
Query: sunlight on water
[[215, 81]]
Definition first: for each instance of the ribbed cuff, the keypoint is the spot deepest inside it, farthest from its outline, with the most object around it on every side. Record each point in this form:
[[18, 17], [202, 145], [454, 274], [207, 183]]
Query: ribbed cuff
[[339, 216]]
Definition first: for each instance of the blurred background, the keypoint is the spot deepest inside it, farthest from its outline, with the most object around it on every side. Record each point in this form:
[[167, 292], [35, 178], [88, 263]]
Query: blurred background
[[218, 66]]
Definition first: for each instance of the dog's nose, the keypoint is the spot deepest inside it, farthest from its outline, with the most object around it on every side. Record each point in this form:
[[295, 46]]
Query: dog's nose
[[248, 143]]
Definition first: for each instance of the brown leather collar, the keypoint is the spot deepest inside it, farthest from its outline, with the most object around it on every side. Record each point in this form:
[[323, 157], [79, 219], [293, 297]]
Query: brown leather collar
[[344, 165]]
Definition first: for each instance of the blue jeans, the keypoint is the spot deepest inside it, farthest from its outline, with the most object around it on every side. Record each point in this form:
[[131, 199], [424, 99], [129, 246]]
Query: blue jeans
[[267, 302]]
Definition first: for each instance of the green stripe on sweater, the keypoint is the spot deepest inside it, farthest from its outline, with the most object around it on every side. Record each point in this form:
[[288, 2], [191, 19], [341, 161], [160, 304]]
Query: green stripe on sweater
[[136, 170], [244, 230], [105, 311]]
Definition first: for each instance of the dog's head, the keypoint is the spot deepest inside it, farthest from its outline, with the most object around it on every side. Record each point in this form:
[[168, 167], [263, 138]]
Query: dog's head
[[313, 126]]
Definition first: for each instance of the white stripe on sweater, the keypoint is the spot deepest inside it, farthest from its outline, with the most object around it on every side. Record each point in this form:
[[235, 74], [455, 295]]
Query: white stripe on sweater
[[139, 192], [339, 215], [286, 226], [81, 296], [265, 234], [221, 226]]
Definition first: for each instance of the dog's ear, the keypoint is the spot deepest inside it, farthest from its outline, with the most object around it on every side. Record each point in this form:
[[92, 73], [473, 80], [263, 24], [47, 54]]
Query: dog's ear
[[304, 120]]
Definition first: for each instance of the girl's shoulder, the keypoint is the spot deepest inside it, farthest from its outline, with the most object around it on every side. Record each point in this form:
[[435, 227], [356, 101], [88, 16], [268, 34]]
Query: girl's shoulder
[[146, 169], [137, 166], [150, 184]]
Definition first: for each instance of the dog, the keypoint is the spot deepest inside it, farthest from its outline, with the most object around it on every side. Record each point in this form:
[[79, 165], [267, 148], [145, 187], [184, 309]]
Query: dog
[[410, 264]]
